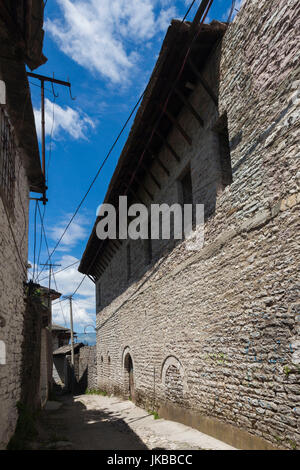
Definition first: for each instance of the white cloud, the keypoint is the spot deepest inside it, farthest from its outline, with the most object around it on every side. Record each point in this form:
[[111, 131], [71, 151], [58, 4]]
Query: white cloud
[[84, 303], [105, 36], [71, 121], [76, 232]]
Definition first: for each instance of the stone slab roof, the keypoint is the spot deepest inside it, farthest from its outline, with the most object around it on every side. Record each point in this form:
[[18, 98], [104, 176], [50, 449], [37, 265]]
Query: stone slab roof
[[65, 350]]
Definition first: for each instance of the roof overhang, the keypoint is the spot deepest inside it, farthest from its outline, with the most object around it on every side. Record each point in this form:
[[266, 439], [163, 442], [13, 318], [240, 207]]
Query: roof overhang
[[21, 43], [164, 76]]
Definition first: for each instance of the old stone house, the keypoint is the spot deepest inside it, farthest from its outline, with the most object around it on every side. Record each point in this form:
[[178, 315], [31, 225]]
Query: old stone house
[[84, 375], [37, 350], [60, 336], [62, 370], [211, 338], [21, 40]]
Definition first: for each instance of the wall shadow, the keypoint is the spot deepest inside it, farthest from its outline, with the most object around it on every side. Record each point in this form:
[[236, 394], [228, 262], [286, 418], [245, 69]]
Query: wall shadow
[[87, 429]]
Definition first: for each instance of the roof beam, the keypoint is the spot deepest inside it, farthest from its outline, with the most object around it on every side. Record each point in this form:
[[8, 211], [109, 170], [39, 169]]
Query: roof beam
[[189, 106], [112, 247], [200, 12], [151, 176], [106, 255], [144, 188], [102, 264], [129, 188], [169, 146], [111, 250], [176, 124], [203, 82], [160, 163]]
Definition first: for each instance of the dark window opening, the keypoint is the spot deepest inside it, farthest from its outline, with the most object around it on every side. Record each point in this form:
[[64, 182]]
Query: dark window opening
[[224, 151], [7, 162], [99, 295], [148, 244], [128, 251], [187, 193], [187, 189]]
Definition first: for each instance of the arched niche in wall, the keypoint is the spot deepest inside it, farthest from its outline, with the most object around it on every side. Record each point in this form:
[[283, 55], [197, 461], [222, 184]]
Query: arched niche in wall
[[128, 373], [173, 380]]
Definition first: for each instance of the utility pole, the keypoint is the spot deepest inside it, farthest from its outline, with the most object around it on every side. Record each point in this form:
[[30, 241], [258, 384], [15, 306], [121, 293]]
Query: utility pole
[[72, 333], [50, 265], [44, 79], [70, 297]]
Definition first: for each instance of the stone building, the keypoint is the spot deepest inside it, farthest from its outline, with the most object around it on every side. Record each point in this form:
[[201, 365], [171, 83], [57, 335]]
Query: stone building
[[21, 40], [62, 366], [37, 351], [211, 338], [60, 336]]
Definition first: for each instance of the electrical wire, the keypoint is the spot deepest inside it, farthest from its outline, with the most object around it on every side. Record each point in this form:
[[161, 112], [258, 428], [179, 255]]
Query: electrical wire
[[34, 243], [51, 137], [61, 270], [190, 7], [163, 110], [41, 242], [231, 10], [96, 176], [46, 241], [109, 153], [132, 112]]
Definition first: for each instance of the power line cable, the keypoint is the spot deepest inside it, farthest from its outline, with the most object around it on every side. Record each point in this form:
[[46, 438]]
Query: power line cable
[[51, 137], [96, 176], [46, 241], [206, 9], [109, 153], [41, 242], [34, 243], [190, 7], [61, 270], [204, 15]]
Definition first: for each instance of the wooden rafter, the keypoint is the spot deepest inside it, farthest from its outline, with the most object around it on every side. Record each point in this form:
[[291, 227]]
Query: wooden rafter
[[189, 106], [169, 146], [203, 82], [151, 176], [161, 164], [135, 195], [144, 188], [177, 125]]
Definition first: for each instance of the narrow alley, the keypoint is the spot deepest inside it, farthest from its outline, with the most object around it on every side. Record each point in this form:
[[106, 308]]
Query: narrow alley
[[96, 422]]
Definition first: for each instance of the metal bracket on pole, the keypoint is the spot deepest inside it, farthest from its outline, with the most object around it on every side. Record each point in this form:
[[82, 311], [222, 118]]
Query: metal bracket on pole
[[53, 80]]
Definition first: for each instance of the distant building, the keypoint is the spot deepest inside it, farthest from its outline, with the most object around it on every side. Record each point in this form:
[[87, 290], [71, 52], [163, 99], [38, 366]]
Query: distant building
[[37, 346], [62, 371], [211, 337], [60, 336], [21, 43]]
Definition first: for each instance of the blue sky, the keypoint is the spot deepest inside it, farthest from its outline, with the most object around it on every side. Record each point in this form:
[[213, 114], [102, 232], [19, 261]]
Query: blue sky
[[108, 49]]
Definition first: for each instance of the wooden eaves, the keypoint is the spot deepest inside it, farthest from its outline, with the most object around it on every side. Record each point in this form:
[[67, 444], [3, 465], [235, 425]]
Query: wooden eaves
[[152, 122]]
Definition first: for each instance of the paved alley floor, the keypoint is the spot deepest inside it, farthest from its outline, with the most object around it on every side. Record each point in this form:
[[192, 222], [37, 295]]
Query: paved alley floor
[[95, 422]]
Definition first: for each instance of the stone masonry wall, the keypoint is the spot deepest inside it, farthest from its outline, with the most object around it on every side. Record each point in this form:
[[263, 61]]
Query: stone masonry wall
[[12, 306], [217, 331], [87, 368]]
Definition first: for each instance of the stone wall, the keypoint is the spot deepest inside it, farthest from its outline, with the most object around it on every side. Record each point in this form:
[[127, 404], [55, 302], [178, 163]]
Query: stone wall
[[87, 369], [214, 335], [12, 305]]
